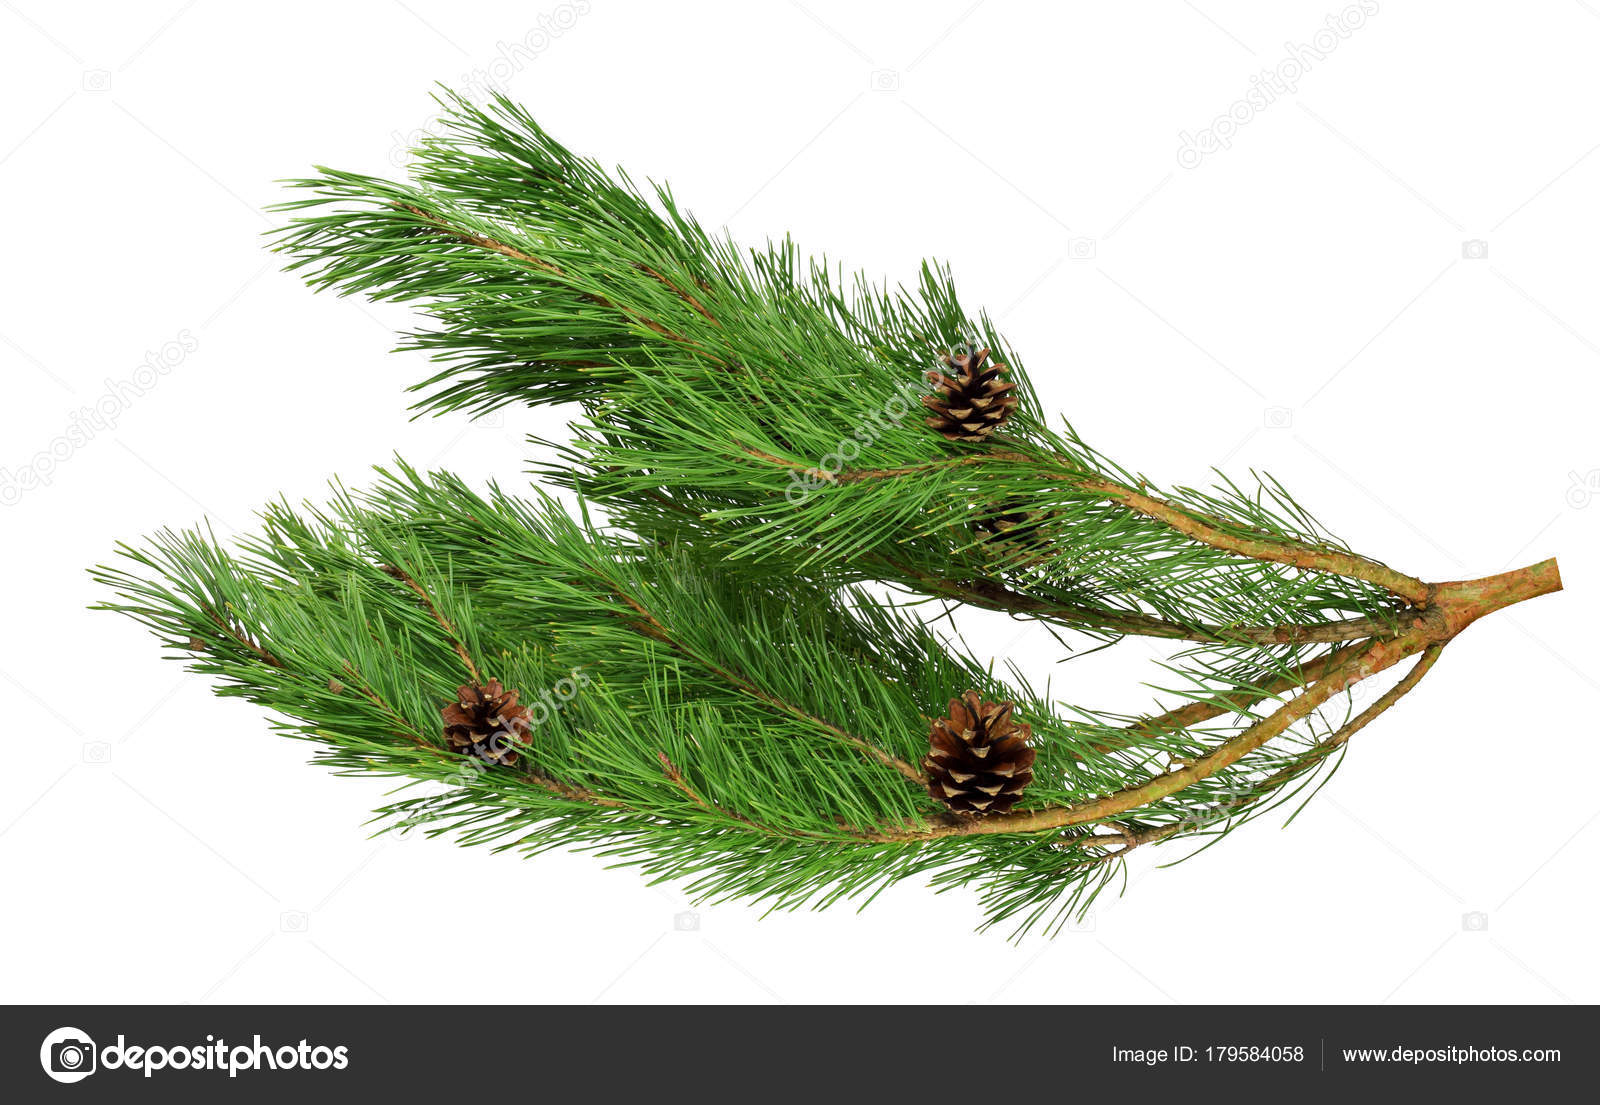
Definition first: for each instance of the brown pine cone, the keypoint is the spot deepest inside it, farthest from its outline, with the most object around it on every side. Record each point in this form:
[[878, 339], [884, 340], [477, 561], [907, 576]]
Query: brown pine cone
[[975, 401], [978, 757], [484, 721], [1010, 522]]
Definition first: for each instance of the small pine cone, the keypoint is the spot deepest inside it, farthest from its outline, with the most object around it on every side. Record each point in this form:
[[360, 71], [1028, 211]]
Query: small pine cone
[[975, 401], [978, 757], [484, 721], [1010, 522]]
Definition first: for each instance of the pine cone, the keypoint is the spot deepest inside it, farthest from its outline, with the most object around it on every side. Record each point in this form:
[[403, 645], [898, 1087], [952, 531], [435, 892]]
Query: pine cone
[[1010, 522], [973, 403], [978, 758], [484, 721]]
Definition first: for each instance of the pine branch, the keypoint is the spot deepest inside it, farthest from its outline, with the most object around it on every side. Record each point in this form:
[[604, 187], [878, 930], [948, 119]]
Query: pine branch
[[592, 260], [706, 688]]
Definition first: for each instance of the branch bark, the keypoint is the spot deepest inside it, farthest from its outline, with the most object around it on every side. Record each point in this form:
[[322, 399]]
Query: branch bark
[[1269, 785], [1278, 551], [1452, 607]]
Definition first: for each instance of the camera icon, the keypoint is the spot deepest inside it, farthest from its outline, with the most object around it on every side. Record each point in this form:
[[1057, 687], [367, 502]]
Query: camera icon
[[884, 80], [96, 752], [1086, 923], [1475, 249], [687, 921], [1475, 922], [1081, 249], [1278, 418], [294, 920], [97, 80], [1583, 489], [493, 420], [68, 1055], [73, 1057]]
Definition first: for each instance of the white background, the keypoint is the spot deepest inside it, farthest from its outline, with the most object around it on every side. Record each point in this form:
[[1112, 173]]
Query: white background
[[1299, 302]]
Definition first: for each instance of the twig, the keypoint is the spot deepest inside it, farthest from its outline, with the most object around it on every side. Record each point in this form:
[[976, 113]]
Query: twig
[[1452, 608], [994, 596], [658, 632], [236, 635], [1315, 755], [1193, 713], [1379, 657], [444, 623], [1387, 699], [1278, 550], [675, 777], [505, 250]]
